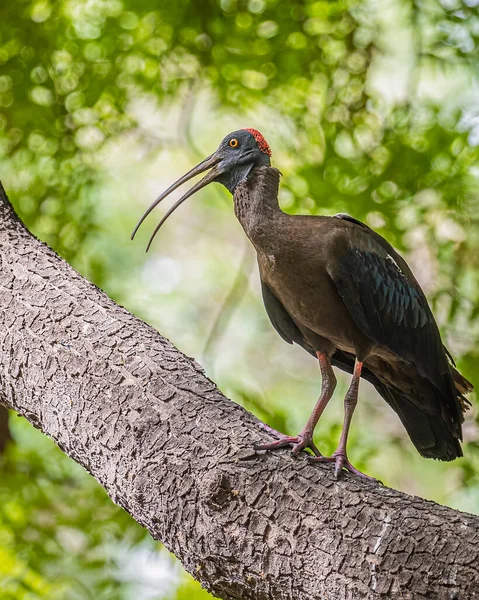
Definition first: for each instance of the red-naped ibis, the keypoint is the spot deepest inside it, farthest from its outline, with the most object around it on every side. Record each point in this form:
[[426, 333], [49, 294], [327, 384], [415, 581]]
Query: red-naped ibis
[[338, 289]]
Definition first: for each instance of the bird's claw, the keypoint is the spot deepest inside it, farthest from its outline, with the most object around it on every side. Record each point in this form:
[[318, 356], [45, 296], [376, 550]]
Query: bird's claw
[[341, 462], [299, 442]]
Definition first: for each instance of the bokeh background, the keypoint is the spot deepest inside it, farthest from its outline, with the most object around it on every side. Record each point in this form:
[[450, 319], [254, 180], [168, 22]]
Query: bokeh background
[[370, 107]]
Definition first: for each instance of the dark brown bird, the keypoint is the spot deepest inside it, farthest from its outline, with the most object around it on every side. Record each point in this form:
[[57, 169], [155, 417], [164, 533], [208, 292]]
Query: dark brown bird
[[341, 291]]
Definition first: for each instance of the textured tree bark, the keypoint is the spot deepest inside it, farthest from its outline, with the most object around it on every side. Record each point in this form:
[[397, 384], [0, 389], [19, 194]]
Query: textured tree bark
[[167, 446]]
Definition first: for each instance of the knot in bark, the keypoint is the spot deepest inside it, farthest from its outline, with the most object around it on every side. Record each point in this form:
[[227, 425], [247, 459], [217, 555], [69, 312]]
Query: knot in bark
[[216, 490]]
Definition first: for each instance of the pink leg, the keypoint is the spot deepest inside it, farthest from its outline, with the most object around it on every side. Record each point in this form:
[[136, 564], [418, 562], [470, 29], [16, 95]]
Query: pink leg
[[340, 457], [304, 439]]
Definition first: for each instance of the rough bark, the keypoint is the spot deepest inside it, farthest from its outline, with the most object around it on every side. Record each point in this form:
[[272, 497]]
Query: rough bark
[[144, 420]]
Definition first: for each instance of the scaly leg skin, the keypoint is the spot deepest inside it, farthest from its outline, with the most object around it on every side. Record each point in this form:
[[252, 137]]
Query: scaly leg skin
[[341, 462], [304, 439], [340, 456]]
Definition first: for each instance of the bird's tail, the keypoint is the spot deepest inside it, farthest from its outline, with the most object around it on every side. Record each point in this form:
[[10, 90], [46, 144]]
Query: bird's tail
[[432, 434], [463, 386]]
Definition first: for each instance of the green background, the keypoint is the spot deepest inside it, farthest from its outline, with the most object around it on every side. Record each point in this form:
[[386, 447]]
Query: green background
[[370, 108]]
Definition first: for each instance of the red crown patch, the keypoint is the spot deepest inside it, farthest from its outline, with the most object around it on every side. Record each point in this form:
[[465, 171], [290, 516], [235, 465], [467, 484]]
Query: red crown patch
[[262, 143]]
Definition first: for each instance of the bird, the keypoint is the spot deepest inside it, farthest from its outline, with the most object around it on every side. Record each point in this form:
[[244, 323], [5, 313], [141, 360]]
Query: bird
[[338, 289]]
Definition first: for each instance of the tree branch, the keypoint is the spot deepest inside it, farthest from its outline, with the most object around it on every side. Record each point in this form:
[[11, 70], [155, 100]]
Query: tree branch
[[177, 455]]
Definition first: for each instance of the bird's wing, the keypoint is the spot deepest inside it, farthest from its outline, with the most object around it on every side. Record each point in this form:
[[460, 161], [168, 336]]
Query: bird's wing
[[399, 259], [387, 303]]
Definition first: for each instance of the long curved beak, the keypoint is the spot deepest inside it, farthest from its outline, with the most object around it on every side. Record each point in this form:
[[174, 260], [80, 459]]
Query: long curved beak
[[212, 162]]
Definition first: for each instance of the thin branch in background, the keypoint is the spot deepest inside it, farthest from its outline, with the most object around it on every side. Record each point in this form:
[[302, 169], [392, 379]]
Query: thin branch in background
[[238, 289], [185, 126], [186, 117], [229, 306]]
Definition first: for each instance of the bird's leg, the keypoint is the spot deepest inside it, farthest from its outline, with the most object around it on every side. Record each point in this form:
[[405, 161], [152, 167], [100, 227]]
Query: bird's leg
[[340, 457], [304, 439]]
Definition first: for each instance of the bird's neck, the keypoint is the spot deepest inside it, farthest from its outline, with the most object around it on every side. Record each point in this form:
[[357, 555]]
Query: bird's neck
[[256, 206]]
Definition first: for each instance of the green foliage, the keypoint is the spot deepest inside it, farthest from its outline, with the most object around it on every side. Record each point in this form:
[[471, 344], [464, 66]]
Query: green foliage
[[62, 538], [57, 525], [370, 109]]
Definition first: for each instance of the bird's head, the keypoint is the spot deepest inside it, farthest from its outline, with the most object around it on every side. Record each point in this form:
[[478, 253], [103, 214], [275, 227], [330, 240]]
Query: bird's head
[[237, 155]]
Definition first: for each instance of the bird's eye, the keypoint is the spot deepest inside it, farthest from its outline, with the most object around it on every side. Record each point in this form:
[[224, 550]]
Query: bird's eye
[[233, 143]]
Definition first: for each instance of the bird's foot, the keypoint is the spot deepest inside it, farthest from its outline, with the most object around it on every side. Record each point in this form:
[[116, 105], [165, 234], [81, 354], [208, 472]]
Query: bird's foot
[[341, 461], [299, 442]]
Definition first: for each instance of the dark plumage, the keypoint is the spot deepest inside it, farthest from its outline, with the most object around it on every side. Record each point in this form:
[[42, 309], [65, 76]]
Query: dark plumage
[[340, 291]]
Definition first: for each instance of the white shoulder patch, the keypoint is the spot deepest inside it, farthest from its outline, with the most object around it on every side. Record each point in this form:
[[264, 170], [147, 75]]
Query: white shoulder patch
[[390, 258]]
